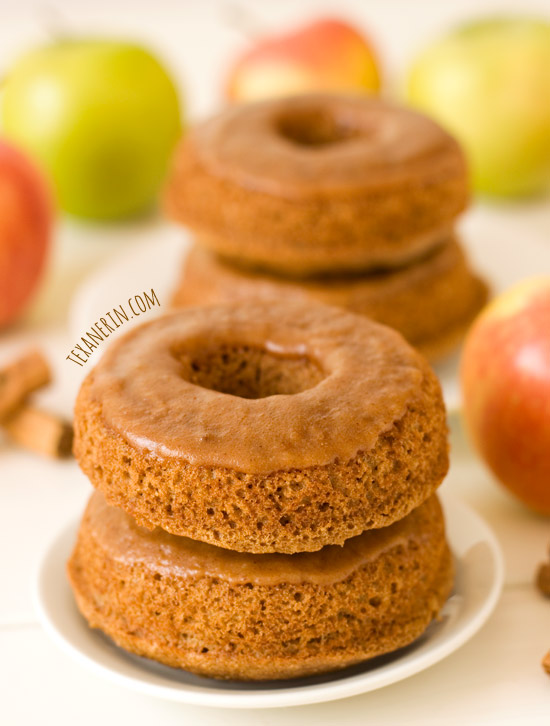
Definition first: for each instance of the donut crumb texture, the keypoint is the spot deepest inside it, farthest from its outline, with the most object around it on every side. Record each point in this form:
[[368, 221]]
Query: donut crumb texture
[[283, 511], [248, 631], [249, 372]]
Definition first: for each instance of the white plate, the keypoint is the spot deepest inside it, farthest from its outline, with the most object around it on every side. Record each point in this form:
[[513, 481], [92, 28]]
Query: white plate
[[497, 244], [477, 588]]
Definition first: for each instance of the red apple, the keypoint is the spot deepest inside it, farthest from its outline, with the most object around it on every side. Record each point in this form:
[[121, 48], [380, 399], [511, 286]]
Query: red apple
[[505, 375], [326, 55], [25, 227]]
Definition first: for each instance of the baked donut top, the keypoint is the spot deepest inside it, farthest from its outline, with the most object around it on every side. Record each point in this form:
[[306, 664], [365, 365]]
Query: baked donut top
[[257, 387], [306, 146], [168, 555]]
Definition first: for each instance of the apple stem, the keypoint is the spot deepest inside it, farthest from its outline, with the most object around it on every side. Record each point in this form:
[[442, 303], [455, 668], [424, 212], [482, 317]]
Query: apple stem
[[53, 22], [54, 25], [241, 19]]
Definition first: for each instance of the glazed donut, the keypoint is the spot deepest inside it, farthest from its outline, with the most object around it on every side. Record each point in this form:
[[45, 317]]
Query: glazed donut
[[263, 428], [228, 615], [319, 183], [431, 302]]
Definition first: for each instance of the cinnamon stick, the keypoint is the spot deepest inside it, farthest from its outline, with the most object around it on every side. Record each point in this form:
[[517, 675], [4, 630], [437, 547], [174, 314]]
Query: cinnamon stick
[[543, 579], [18, 379], [40, 431]]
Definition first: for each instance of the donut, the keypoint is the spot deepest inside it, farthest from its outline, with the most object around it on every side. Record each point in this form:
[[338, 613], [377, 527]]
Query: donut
[[431, 302], [225, 614], [268, 427], [317, 183]]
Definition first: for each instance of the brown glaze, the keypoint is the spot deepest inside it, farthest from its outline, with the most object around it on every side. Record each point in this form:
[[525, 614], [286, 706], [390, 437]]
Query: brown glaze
[[118, 535], [370, 376], [308, 146]]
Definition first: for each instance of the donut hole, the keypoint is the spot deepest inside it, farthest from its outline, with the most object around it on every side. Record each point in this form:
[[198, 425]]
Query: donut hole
[[314, 127], [249, 372]]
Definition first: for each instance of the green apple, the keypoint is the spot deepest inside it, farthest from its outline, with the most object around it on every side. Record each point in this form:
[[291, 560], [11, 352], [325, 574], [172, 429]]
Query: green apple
[[101, 116], [489, 84]]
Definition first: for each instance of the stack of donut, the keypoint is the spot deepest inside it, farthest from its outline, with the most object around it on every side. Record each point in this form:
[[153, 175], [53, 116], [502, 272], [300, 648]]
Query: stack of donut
[[265, 503], [351, 201]]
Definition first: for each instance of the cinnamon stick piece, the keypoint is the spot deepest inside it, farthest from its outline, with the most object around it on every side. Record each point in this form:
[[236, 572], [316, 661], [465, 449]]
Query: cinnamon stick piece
[[18, 379], [543, 579], [546, 662], [40, 431]]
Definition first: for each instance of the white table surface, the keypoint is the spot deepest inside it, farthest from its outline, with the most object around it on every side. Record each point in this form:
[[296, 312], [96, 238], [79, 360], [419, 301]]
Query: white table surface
[[496, 678]]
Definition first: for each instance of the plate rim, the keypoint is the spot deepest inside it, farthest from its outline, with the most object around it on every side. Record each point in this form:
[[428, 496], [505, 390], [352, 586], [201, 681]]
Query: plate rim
[[280, 697]]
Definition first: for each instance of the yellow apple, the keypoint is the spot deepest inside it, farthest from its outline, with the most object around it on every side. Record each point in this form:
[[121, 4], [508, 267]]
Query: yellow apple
[[489, 84], [102, 116]]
